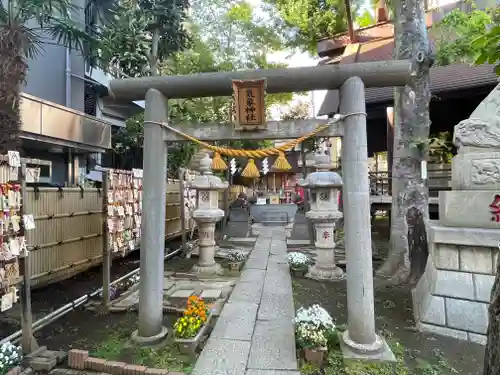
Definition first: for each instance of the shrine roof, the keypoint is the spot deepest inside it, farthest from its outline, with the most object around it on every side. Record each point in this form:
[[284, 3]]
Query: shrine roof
[[376, 43]]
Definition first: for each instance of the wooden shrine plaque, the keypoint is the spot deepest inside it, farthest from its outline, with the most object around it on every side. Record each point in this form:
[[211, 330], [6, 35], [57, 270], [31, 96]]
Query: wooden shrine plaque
[[249, 102]]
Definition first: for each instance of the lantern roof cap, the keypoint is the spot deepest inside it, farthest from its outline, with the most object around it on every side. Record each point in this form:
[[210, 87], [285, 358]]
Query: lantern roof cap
[[206, 180], [322, 179]]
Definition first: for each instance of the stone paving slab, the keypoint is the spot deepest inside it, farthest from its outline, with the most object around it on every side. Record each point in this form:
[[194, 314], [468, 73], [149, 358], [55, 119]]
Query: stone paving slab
[[252, 275], [281, 250], [211, 293], [259, 254], [222, 357], [275, 266], [183, 293], [273, 283], [259, 263], [131, 300], [278, 259], [236, 321], [271, 372], [273, 346], [262, 246], [292, 242], [271, 303], [242, 239], [246, 292], [236, 229], [254, 334]]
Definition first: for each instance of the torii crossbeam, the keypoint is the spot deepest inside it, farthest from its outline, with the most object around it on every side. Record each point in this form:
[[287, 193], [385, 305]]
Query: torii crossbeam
[[351, 79]]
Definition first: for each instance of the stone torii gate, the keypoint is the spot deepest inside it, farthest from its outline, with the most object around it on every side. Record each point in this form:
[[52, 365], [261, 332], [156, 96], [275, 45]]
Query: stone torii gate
[[352, 79]]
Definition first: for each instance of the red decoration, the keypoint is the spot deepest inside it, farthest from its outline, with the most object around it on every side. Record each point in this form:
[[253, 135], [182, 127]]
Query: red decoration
[[495, 209], [326, 235]]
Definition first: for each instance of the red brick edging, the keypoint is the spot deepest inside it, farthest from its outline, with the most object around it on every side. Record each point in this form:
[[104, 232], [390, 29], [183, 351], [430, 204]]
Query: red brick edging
[[80, 360]]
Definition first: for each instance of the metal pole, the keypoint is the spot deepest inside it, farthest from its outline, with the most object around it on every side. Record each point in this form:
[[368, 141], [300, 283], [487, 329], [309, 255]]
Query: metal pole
[[106, 250], [60, 312], [310, 227], [390, 145], [326, 77], [182, 175], [154, 186], [229, 177], [360, 334], [28, 342]]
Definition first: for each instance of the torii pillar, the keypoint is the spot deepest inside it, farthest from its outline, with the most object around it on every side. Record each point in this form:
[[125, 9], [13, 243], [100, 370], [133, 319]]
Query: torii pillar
[[360, 340]]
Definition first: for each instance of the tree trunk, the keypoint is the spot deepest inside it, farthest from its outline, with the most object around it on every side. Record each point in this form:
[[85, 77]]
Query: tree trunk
[[13, 73], [410, 194], [492, 353], [417, 246]]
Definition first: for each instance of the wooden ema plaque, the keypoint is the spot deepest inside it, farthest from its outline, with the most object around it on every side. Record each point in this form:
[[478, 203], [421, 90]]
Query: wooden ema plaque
[[249, 106]]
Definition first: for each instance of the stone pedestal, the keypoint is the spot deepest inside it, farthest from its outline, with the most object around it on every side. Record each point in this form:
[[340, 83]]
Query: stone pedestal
[[206, 265], [324, 267], [206, 215], [325, 188], [452, 296]]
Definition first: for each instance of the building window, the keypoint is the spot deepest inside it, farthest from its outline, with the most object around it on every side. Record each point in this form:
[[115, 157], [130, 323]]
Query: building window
[[90, 97], [45, 171]]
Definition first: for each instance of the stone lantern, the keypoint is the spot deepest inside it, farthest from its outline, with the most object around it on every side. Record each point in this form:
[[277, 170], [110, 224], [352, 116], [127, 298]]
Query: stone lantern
[[206, 215], [325, 188]]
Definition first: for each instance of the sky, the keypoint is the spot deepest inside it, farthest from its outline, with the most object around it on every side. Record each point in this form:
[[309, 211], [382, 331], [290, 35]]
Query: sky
[[298, 60]]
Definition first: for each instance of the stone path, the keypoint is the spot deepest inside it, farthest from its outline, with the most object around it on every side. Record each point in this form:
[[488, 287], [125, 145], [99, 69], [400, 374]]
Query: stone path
[[176, 291], [254, 334]]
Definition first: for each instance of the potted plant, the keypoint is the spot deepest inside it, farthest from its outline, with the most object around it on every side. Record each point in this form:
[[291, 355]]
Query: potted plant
[[236, 259], [313, 342], [10, 357], [313, 328], [299, 263], [190, 327]]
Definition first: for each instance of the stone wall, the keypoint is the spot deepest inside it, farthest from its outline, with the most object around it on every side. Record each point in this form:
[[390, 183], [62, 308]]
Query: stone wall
[[453, 295]]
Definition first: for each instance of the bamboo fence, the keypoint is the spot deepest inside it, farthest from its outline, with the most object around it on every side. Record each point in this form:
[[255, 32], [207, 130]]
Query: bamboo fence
[[68, 235]]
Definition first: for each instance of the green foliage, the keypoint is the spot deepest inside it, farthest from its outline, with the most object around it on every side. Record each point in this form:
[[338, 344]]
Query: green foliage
[[439, 146], [25, 27], [116, 346], [300, 111], [365, 19], [488, 46], [469, 37], [307, 21], [335, 365], [128, 148], [34, 20], [127, 39], [224, 36]]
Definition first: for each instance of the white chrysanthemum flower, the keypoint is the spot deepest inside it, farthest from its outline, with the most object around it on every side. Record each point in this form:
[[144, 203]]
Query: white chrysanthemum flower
[[10, 355], [315, 315], [297, 259], [236, 256]]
